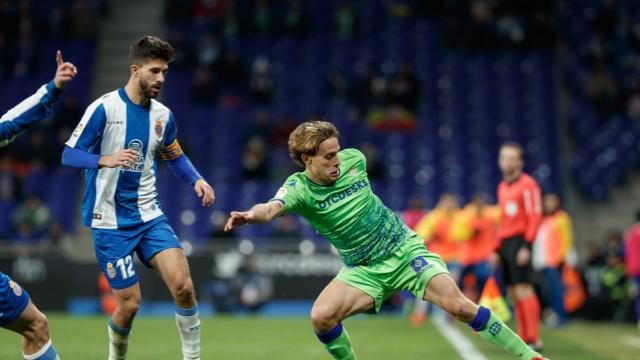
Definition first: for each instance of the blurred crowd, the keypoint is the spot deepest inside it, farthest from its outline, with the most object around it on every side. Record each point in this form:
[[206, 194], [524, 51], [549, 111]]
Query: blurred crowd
[[27, 28], [601, 284]]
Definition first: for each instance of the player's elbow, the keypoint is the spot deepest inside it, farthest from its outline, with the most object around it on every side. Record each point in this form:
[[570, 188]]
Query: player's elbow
[[65, 160]]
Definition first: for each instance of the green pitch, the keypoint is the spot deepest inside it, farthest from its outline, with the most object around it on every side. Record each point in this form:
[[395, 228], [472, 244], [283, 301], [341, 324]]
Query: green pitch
[[374, 338]]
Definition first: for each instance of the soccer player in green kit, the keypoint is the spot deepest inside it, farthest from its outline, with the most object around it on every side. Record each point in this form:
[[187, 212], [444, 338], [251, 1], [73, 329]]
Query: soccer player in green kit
[[380, 253]]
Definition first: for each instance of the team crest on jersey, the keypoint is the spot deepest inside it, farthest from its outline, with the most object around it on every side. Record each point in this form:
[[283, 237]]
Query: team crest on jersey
[[111, 271], [158, 128], [15, 287], [137, 146], [353, 172]]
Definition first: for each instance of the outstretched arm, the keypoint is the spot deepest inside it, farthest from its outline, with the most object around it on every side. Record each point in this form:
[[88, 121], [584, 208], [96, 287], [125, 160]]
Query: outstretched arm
[[38, 106], [258, 214]]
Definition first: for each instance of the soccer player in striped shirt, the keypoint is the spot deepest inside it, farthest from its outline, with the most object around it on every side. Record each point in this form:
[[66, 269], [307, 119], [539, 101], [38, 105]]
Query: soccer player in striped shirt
[[116, 141], [380, 253], [17, 312]]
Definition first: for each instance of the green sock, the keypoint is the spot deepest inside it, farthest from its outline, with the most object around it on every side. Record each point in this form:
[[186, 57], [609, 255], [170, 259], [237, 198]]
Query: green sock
[[498, 333], [337, 343]]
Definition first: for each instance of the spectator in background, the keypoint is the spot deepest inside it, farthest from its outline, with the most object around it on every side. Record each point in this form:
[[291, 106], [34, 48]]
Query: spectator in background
[[613, 245], [551, 250], [602, 91], [260, 126], [474, 227], [632, 260], [231, 24], [66, 117], [279, 134], [209, 50], [262, 82], [10, 186], [262, 19], [32, 218], [375, 167], [286, 227], [294, 21], [231, 70], [184, 51], [337, 86], [345, 21], [404, 88], [254, 288], [26, 55], [255, 163], [203, 89], [436, 232]]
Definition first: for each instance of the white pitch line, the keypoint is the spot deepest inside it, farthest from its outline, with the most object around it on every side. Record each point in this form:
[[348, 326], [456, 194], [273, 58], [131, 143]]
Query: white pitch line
[[463, 346], [631, 341]]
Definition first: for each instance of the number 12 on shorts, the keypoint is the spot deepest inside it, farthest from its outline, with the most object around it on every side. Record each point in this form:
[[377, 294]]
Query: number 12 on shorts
[[125, 265]]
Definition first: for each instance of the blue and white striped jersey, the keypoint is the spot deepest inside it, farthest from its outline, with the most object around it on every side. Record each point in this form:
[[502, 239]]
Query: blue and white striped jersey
[[122, 197], [31, 110]]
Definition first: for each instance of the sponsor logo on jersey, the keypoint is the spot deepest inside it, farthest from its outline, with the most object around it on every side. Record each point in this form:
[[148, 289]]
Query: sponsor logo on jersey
[[111, 271], [115, 122], [420, 265], [335, 198], [97, 216], [292, 184], [138, 165], [15, 287], [158, 128], [281, 193], [511, 208], [78, 130]]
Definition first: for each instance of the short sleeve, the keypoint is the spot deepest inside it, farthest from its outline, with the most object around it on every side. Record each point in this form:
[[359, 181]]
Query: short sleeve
[[171, 148], [90, 128], [291, 195]]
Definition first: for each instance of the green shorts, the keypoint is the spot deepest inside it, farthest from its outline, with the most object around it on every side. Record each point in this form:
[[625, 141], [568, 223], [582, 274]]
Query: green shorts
[[410, 268]]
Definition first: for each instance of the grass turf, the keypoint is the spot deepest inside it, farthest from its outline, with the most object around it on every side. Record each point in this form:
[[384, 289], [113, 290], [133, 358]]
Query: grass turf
[[374, 338]]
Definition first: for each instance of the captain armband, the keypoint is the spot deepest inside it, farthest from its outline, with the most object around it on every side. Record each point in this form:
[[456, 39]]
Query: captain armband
[[171, 151]]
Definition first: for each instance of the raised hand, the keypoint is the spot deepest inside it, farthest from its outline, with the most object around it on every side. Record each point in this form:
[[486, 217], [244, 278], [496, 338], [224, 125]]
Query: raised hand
[[66, 71]]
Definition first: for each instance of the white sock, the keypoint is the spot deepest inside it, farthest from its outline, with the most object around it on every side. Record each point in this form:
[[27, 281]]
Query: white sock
[[188, 321], [118, 342], [46, 353]]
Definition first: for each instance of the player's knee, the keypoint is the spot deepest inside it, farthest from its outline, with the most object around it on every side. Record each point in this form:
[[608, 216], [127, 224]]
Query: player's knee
[[184, 291], [322, 318], [38, 330], [130, 305]]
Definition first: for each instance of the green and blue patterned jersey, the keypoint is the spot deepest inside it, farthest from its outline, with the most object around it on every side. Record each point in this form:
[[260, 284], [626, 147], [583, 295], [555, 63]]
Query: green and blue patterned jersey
[[347, 213]]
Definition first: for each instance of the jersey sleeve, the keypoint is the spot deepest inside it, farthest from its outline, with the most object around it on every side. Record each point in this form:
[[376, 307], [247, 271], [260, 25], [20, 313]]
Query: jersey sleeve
[[28, 112], [533, 210], [171, 148], [356, 156], [90, 129], [291, 195]]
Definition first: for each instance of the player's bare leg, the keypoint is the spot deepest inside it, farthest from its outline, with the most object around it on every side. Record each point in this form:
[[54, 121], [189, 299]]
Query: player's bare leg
[[34, 328], [173, 268], [337, 302], [444, 292], [127, 306]]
